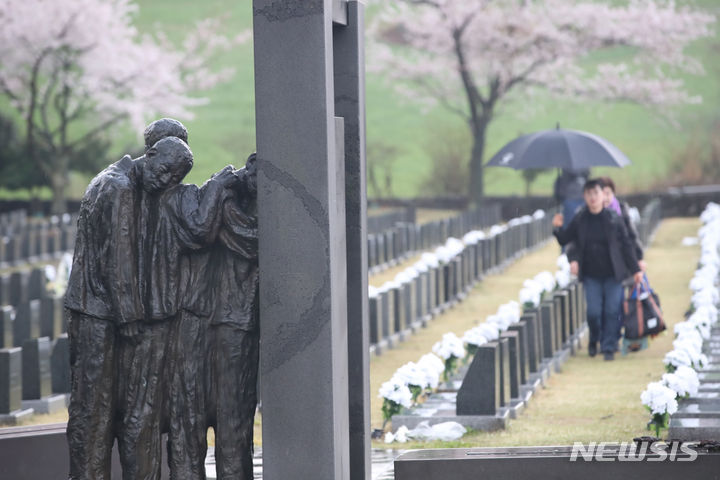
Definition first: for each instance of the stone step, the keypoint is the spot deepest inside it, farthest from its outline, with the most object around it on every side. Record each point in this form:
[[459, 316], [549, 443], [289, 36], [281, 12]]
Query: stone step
[[694, 428], [698, 410]]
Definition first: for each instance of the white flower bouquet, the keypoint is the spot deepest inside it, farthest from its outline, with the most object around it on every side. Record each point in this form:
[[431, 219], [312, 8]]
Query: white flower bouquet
[[450, 349], [661, 402]]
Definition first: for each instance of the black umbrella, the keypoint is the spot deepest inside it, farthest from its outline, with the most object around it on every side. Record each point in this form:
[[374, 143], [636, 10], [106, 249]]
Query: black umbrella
[[566, 149]]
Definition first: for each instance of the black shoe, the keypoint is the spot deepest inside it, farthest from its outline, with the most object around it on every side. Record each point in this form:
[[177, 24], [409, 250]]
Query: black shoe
[[592, 349], [609, 356]]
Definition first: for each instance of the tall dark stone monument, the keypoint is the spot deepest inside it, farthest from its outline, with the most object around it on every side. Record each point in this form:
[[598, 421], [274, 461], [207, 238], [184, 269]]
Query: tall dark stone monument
[[310, 120]]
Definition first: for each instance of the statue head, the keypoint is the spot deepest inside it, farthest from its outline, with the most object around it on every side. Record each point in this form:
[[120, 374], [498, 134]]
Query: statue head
[[165, 164], [163, 128]]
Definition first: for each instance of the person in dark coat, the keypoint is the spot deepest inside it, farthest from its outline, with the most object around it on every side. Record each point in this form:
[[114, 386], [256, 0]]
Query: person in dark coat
[[171, 222], [103, 302], [605, 258], [568, 191], [623, 209], [233, 348]]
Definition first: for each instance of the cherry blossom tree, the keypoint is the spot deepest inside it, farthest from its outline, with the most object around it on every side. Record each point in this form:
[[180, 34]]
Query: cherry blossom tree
[[74, 70], [469, 55]]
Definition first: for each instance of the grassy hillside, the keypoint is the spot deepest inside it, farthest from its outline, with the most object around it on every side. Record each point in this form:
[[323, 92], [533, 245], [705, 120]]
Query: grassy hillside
[[222, 132]]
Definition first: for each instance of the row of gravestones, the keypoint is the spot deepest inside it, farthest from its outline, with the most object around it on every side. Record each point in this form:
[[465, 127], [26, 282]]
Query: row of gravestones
[[503, 374], [34, 378], [392, 245], [397, 311], [23, 242], [698, 416], [22, 286], [386, 221]]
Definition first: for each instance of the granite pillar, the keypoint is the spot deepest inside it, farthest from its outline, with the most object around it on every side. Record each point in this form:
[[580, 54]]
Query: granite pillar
[[479, 393]]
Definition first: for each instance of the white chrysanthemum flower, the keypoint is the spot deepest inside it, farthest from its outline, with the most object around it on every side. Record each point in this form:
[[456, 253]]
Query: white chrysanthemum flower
[[474, 337], [449, 346], [489, 330], [529, 296], [411, 374], [546, 280], [396, 392], [563, 278], [690, 377], [659, 398], [538, 214], [430, 259], [677, 358]]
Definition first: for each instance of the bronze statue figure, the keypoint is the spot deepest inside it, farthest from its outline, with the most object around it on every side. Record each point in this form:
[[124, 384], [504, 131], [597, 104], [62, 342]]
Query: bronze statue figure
[[163, 325]]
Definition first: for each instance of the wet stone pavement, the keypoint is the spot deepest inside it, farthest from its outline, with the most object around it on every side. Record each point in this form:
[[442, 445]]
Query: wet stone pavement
[[382, 463]]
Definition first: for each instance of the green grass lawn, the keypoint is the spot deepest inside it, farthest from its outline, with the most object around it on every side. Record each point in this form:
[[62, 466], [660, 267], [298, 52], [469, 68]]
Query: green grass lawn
[[223, 131]]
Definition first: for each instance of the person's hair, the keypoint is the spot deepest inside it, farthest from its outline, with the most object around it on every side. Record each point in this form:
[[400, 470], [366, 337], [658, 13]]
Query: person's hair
[[608, 182], [163, 128], [593, 183]]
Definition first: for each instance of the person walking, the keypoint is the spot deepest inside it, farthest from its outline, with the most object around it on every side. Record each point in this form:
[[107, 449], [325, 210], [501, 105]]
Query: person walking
[[568, 191], [605, 257]]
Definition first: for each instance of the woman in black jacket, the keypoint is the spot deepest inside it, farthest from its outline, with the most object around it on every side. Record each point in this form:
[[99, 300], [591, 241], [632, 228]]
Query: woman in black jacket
[[605, 257]]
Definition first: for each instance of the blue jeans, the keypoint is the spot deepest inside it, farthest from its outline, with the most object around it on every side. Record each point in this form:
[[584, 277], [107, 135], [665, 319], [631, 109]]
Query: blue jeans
[[603, 297]]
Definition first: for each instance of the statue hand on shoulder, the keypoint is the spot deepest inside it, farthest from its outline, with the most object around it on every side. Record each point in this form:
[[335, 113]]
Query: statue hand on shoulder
[[227, 177], [131, 331]]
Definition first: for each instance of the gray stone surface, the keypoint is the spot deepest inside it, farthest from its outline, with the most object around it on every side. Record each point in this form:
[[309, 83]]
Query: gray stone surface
[[36, 284], [504, 344], [36, 376], [523, 370], [7, 320], [19, 288], [534, 352], [27, 322], [305, 331], [562, 308], [46, 405], [547, 317], [481, 388], [375, 318], [51, 317], [513, 347], [60, 365], [702, 428], [10, 379]]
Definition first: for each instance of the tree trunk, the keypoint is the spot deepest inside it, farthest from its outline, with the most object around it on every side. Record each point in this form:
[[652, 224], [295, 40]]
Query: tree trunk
[[476, 190], [58, 183]]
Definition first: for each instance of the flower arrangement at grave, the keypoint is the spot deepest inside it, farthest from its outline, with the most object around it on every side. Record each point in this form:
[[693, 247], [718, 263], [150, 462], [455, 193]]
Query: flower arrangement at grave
[[450, 349], [682, 362], [661, 402], [562, 276], [530, 295], [473, 338], [395, 395], [546, 280], [414, 377]]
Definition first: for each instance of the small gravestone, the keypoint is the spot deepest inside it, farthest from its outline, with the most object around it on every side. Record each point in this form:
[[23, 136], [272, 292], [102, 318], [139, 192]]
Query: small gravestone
[[572, 310], [447, 283], [27, 322], [440, 287], [37, 377], [5, 290], [380, 245], [479, 393], [11, 411], [37, 382], [51, 317], [532, 320], [547, 317], [388, 314], [409, 304], [3, 248], [375, 316], [398, 295], [432, 291], [60, 365], [504, 345], [36, 284], [7, 320], [420, 285], [372, 257], [513, 348], [562, 307], [19, 288], [523, 366]]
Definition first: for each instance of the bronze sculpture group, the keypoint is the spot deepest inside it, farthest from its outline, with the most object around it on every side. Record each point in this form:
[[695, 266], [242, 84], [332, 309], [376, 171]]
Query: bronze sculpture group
[[163, 316]]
